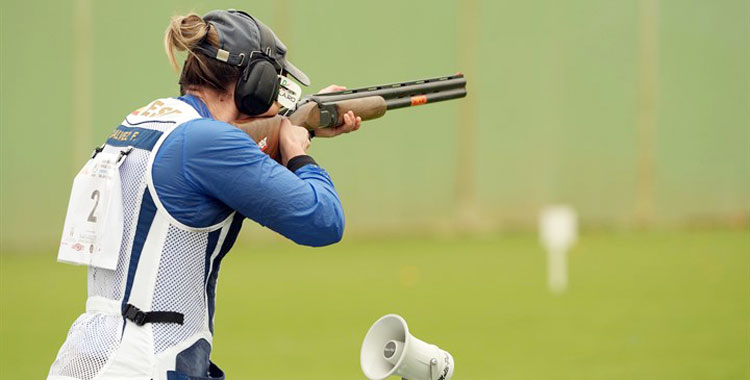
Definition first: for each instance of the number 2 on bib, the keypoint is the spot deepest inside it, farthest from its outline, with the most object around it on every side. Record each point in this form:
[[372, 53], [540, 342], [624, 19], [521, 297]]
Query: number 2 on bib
[[92, 217]]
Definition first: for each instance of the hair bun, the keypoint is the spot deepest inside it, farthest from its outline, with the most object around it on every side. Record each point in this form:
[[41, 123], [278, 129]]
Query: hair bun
[[184, 33]]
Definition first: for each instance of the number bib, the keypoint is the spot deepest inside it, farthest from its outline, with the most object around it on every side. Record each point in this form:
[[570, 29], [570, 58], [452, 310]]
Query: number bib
[[94, 223]]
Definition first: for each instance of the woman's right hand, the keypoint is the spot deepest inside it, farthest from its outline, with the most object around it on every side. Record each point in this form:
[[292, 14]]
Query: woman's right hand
[[293, 141]]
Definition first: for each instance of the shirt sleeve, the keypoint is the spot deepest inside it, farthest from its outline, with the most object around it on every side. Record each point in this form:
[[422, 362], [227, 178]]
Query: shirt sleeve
[[224, 163]]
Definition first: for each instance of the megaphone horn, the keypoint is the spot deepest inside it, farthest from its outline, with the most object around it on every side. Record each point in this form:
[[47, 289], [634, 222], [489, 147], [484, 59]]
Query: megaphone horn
[[389, 349]]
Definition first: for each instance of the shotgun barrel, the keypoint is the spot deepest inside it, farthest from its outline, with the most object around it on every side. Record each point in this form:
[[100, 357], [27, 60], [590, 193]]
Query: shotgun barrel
[[418, 100], [397, 90]]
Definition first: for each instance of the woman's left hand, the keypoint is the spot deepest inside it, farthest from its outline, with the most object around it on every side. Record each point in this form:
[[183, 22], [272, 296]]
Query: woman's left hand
[[351, 122]]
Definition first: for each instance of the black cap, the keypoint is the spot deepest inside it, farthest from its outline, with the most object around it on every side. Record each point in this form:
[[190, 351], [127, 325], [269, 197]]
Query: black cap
[[240, 35]]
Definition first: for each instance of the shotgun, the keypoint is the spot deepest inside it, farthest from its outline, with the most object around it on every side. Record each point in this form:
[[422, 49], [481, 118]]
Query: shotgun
[[327, 110]]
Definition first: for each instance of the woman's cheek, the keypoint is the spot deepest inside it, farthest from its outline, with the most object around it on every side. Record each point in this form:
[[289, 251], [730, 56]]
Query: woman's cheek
[[273, 111]]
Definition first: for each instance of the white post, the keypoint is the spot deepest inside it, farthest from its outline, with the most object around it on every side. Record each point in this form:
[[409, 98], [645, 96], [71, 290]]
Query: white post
[[558, 230]]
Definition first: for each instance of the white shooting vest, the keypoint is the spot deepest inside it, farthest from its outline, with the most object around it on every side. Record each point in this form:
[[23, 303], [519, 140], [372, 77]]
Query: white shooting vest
[[163, 265]]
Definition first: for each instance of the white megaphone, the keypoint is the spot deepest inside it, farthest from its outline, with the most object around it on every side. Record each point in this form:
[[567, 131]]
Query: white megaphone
[[389, 350]]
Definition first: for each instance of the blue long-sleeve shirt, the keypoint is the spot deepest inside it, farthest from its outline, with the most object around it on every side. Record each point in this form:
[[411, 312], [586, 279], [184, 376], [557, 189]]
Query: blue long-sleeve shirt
[[205, 169]]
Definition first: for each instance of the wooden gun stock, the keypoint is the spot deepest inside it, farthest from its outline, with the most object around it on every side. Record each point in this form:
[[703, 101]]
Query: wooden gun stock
[[265, 132]]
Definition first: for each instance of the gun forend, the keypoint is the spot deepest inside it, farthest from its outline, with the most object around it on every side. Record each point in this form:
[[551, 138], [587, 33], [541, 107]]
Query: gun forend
[[312, 115]]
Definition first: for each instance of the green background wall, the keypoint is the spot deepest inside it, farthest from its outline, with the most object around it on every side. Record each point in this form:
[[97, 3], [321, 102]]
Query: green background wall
[[554, 87]]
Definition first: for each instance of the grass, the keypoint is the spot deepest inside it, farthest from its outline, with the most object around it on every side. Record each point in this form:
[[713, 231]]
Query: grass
[[661, 305]]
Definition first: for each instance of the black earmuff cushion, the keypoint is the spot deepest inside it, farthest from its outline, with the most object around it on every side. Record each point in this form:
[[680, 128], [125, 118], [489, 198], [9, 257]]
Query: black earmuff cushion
[[257, 88]]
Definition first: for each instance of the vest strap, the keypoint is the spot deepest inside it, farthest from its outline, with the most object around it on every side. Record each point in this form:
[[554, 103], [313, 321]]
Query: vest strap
[[140, 318]]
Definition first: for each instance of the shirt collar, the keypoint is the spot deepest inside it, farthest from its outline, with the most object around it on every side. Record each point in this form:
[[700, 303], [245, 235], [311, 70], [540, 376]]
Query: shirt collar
[[197, 104]]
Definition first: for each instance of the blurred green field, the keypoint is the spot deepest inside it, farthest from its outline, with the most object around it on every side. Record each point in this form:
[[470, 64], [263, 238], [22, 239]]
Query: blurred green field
[[641, 305]]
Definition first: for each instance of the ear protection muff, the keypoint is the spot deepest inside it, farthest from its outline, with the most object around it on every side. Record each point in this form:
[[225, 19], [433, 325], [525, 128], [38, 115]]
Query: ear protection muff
[[258, 86]]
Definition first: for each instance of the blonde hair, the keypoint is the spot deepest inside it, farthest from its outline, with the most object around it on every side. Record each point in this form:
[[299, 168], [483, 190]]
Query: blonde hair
[[185, 33]]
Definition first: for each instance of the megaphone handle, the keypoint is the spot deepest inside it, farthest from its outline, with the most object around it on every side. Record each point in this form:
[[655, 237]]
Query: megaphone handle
[[433, 364]]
